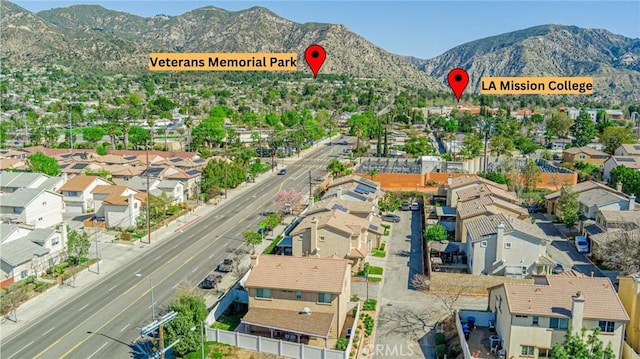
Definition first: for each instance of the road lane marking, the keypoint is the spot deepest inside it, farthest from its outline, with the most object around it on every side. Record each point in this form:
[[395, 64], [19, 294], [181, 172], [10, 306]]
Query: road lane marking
[[175, 285], [194, 269], [48, 331], [123, 328], [112, 288], [83, 307], [99, 349], [211, 256], [158, 257], [23, 348], [145, 294]]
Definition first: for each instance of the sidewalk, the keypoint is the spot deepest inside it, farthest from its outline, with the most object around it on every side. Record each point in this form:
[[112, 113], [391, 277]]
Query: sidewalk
[[114, 256]]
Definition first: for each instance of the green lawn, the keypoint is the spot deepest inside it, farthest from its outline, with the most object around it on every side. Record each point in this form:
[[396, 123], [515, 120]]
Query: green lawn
[[228, 321], [375, 270], [375, 279], [378, 253]]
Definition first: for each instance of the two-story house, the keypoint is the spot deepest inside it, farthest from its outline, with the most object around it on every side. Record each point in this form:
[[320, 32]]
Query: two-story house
[[584, 154], [354, 188], [501, 245], [77, 194], [632, 162], [468, 186], [531, 318], [118, 206], [356, 208], [597, 199], [301, 297], [337, 233], [629, 293], [482, 206], [628, 150], [13, 181], [551, 199], [36, 207]]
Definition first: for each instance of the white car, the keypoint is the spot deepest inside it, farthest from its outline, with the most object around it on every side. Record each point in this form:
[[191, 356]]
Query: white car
[[415, 206]]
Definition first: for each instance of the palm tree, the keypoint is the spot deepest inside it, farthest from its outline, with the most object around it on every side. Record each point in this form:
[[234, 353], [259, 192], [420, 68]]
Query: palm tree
[[51, 136], [188, 122], [373, 174], [112, 131], [125, 126], [151, 123]]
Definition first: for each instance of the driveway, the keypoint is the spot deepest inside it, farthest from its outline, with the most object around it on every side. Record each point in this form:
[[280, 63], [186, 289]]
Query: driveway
[[563, 251]]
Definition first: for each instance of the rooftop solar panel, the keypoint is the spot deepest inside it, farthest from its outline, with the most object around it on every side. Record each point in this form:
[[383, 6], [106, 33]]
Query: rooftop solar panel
[[193, 172], [79, 166], [199, 160], [130, 158], [375, 228], [623, 159], [339, 207], [176, 159]]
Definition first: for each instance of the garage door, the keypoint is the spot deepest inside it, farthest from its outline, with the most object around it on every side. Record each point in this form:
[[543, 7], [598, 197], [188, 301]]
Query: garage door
[[74, 208]]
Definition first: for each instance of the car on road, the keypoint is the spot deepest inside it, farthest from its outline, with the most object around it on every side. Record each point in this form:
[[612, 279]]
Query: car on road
[[406, 206], [582, 244], [415, 206], [390, 217], [226, 265], [282, 172], [211, 281], [557, 269]]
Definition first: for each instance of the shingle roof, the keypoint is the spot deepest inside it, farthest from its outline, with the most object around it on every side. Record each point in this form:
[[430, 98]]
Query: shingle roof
[[315, 324], [20, 251], [587, 150], [551, 296], [578, 188], [466, 180], [22, 197], [351, 206], [627, 161], [632, 149], [478, 228], [598, 197], [6, 229], [480, 190], [487, 204], [78, 183], [308, 274], [621, 216], [19, 179]]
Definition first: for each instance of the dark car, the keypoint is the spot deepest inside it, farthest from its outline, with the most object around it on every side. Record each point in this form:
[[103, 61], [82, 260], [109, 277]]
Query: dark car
[[211, 282], [264, 230], [406, 206], [557, 269], [394, 218], [226, 265], [282, 172]]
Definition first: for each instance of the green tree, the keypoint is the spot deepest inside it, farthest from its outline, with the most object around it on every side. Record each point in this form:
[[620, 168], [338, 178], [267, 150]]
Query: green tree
[[613, 137], [583, 129], [191, 311], [501, 145], [389, 202], [418, 146], [582, 346], [272, 220], [139, 136], [473, 144], [629, 178], [497, 177], [568, 204], [93, 134], [435, 232], [252, 238], [77, 246], [559, 125], [531, 175], [337, 168], [3, 135], [41, 163]]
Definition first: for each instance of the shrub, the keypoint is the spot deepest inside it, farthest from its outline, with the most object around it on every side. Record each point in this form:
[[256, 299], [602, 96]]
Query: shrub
[[455, 350], [441, 350], [369, 305], [439, 338], [342, 343], [355, 298], [382, 246]]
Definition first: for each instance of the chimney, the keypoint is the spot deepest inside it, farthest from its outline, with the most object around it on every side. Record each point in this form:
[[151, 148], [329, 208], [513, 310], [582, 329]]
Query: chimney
[[500, 242], [314, 235], [632, 202], [577, 312], [254, 260], [339, 192], [65, 177], [619, 186], [450, 180]]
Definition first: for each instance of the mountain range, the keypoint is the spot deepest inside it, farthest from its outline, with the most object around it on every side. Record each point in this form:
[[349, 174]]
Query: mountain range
[[91, 37]]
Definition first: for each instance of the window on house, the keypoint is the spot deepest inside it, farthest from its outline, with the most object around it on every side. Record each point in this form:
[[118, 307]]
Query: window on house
[[55, 241], [73, 194], [607, 327], [324, 297], [483, 244], [17, 210], [44, 203], [24, 273], [558, 323], [298, 294], [524, 269], [507, 245], [263, 293], [544, 353], [39, 219], [536, 320], [135, 205], [300, 238], [527, 350], [322, 238], [522, 316]]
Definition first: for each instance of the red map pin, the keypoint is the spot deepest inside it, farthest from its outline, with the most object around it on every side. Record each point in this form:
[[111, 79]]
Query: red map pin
[[315, 56], [458, 80]]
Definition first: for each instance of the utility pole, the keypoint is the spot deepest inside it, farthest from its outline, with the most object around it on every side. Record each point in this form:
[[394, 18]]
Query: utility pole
[[95, 235], [310, 192], [260, 135], [148, 203], [26, 132], [70, 130], [226, 171]]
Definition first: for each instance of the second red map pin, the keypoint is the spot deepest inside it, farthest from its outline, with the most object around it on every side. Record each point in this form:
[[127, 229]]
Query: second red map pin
[[458, 80], [315, 56]]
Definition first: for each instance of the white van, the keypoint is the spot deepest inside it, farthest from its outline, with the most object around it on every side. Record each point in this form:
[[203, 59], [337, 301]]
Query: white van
[[582, 244]]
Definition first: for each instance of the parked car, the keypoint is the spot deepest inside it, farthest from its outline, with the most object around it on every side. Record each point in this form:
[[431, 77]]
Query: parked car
[[415, 206], [226, 266], [406, 206], [390, 217], [264, 230], [557, 269], [211, 281], [282, 172], [582, 244]]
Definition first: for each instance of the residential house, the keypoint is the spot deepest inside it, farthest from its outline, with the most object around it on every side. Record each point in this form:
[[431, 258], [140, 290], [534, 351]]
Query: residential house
[[559, 144], [25, 251], [117, 206], [36, 207], [337, 233], [632, 162], [303, 298], [354, 188], [13, 181], [356, 208], [591, 201], [531, 318], [465, 182], [498, 245], [612, 219], [77, 194], [629, 293], [628, 150], [484, 206], [551, 199], [173, 190], [584, 154], [599, 240]]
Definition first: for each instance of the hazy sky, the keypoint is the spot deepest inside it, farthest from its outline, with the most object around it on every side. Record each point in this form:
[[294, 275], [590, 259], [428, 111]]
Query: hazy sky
[[417, 28]]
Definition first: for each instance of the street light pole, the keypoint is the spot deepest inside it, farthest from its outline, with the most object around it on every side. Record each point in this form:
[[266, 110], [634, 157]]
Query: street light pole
[[202, 338], [153, 305], [95, 235], [148, 203]]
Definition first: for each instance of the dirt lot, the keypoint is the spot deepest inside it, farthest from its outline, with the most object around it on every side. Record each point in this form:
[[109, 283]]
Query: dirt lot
[[468, 284], [224, 351]]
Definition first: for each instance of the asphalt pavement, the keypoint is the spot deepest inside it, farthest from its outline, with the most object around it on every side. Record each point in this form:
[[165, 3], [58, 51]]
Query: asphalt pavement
[[100, 315]]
